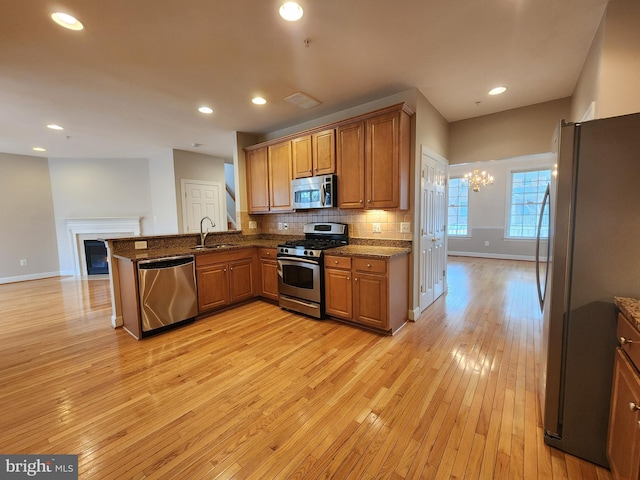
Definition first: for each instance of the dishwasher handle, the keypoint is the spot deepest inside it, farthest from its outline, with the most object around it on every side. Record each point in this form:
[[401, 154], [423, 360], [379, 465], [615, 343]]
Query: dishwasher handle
[[168, 262]]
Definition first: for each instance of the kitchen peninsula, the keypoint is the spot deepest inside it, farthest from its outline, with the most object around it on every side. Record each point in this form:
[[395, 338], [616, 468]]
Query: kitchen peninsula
[[235, 268]]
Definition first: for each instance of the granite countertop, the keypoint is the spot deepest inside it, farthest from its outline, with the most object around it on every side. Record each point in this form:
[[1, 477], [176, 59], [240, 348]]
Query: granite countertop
[[367, 251], [631, 309], [155, 253], [174, 251]]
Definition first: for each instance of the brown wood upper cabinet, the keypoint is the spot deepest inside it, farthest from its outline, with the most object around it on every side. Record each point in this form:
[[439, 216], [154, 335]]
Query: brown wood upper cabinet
[[269, 175], [373, 156], [314, 154]]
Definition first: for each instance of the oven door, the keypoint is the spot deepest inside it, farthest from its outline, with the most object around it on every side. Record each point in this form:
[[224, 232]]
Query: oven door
[[300, 278]]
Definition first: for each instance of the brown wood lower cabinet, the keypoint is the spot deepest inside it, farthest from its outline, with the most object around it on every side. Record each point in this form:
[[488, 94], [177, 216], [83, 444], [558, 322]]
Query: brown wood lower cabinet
[[269, 273], [623, 446], [226, 278], [369, 291]]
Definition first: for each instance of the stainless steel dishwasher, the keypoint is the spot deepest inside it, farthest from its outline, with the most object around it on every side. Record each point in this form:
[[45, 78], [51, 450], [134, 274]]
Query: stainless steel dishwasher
[[168, 292]]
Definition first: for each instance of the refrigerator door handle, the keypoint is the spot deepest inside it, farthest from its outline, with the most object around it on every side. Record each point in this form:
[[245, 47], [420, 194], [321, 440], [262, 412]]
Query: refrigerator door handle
[[541, 294]]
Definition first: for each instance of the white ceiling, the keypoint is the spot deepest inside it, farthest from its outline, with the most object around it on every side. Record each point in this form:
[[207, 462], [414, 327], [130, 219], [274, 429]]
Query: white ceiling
[[129, 85]]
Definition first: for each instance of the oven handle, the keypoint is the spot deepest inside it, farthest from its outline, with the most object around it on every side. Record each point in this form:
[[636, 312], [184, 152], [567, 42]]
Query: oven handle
[[293, 261]]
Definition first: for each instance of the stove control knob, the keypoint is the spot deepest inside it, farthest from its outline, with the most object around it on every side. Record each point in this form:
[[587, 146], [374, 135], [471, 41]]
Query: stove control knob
[[311, 253]]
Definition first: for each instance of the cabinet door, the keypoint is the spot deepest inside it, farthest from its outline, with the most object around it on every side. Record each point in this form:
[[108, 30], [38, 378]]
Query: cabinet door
[[241, 280], [350, 163], [269, 279], [213, 286], [338, 293], [370, 300], [324, 152], [257, 180], [302, 157], [382, 167], [280, 176], [623, 445]]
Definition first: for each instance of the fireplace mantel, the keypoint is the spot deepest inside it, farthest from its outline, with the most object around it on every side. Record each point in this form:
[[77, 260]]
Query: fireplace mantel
[[94, 228]]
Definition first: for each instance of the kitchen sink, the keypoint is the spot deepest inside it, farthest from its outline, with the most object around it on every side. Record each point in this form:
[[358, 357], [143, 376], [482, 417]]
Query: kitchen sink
[[210, 247]]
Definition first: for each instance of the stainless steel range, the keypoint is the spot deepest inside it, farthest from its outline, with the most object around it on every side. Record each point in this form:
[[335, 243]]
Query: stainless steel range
[[301, 267]]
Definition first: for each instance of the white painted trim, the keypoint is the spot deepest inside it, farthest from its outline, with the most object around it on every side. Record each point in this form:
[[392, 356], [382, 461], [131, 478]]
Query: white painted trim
[[80, 229], [32, 276], [497, 256], [414, 314]]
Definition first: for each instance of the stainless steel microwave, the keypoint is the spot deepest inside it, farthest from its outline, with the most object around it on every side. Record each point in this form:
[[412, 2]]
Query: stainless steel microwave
[[314, 192]]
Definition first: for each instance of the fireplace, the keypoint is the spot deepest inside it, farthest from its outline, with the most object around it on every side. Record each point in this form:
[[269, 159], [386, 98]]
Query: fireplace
[[95, 252], [81, 230]]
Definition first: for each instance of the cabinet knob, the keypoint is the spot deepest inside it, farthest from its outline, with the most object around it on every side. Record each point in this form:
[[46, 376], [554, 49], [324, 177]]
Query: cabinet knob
[[335, 261], [360, 201], [348, 278], [624, 341], [633, 406], [225, 270], [355, 279], [368, 265], [369, 201]]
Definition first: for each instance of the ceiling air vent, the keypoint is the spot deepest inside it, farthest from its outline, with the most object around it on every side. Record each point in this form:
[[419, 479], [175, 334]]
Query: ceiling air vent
[[302, 100]]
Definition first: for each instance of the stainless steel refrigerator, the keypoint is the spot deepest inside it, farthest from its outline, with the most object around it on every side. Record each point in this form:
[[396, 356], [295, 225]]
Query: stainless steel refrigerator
[[592, 254]]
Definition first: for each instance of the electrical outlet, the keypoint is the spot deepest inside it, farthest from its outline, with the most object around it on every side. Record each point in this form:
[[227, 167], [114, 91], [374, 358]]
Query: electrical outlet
[[285, 226], [140, 245], [486, 243], [279, 225], [405, 227], [377, 228], [23, 262], [253, 225]]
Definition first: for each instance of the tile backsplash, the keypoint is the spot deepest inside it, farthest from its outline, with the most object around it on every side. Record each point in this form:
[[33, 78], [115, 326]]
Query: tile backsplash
[[361, 222]]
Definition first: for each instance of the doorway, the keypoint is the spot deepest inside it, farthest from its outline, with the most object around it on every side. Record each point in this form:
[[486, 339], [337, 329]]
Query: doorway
[[203, 199]]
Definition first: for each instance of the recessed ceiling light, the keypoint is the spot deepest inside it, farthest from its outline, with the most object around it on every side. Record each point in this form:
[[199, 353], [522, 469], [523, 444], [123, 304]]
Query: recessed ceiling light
[[67, 21], [53, 126], [207, 110], [258, 100], [497, 90], [39, 149], [291, 11]]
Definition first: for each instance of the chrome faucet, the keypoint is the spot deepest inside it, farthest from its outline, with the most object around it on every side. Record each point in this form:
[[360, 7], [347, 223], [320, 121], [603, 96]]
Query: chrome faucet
[[203, 234]]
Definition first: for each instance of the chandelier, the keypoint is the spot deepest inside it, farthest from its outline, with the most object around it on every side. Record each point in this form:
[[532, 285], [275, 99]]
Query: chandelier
[[477, 179]]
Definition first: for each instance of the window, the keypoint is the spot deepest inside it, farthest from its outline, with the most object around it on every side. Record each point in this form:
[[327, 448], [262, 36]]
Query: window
[[527, 192], [458, 218]]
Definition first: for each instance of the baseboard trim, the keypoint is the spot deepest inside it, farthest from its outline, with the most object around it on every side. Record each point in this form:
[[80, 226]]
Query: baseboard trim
[[497, 256], [33, 276]]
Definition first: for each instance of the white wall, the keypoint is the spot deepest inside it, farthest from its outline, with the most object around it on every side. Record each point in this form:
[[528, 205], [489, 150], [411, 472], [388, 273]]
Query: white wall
[[26, 215], [163, 194], [91, 188], [488, 210]]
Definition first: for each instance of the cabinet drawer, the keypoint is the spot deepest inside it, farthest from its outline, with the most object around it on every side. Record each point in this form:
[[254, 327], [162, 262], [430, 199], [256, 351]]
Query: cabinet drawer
[[331, 261], [223, 255], [370, 265], [267, 253], [631, 337]]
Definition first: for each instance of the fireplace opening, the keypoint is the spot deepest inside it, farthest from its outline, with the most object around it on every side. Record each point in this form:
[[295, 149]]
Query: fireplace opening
[[96, 255]]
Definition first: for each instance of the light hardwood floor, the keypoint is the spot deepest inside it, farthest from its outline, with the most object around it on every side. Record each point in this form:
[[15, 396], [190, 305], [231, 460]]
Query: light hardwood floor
[[257, 392]]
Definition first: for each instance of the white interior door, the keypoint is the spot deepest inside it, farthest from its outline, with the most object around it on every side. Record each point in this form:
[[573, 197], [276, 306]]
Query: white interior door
[[432, 229], [203, 199]]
